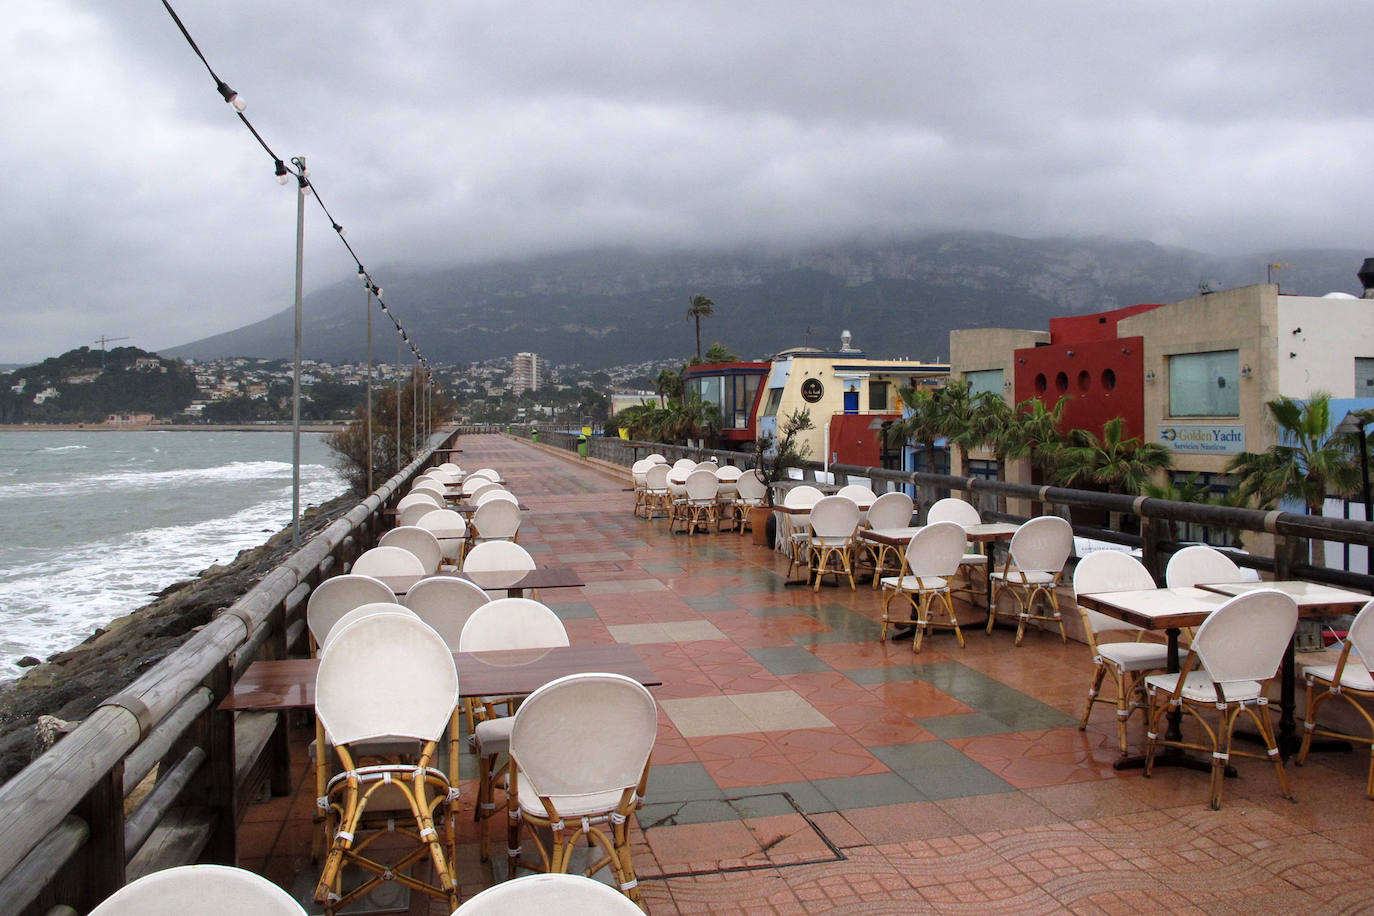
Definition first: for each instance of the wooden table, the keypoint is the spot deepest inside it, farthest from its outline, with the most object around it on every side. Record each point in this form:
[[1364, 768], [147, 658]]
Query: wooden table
[[514, 582], [449, 451], [1313, 600], [290, 683]]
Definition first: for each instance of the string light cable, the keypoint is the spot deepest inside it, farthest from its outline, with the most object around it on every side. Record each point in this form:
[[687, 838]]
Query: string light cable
[[299, 171]]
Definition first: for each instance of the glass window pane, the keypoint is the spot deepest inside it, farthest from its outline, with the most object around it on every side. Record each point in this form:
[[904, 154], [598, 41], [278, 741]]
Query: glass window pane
[[984, 380], [1205, 384]]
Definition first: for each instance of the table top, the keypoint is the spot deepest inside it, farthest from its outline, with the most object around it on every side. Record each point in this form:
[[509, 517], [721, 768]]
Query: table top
[[1156, 608], [1310, 596], [290, 683], [456, 502], [806, 510], [898, 537], [498, 580]]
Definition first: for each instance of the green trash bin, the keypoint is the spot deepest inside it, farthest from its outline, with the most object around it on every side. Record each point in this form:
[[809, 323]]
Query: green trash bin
[[534, 435], [581, 446]]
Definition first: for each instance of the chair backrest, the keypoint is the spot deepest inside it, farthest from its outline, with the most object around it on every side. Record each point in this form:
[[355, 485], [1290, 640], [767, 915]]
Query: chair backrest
[[512, 623], [656, 458], [549, 895], [1200, 565], [935, 550], [1042, 544], [705, 466], [428, 486], [1361, 635], [637, 471], [412, 513], [423, 498], [728, 472], [834, 517], [386, 675], [450, 467], [684, 464], [496, 519], [358, 613], [802, 496], [1245, 638], [701, 485], [445, 603], [446, 525], [1109, 571], [418, 541], [388, 561], [485, 489], [212, 890], [891, 510], [498, 556], [952, 509], [490, 493], [656, 478], [860, 494], [490, 473], [474, 482], [335, 597], [585, 734], [750, 486]]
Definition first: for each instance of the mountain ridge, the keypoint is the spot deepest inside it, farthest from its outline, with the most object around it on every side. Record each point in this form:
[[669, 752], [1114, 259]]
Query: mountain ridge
[[614, 306]]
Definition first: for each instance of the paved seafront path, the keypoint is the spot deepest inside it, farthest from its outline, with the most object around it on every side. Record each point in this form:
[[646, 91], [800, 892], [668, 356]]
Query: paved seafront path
[[804, 766]]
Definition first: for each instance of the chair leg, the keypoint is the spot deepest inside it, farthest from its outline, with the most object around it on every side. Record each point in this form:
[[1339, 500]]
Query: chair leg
[[1309, 722], [1123, 710], [1093, 688], [1266, 728], [948, 598]]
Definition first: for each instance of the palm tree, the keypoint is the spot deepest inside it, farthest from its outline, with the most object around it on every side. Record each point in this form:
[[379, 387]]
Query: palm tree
[[995, 426], [922, 424], [1309, 461], [700, 308], [719, 353], [959, 421], [1036, 434], [1115, 462], [669, 386]]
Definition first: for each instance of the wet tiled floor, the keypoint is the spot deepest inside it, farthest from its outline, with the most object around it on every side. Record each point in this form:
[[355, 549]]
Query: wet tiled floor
[[804, 765]]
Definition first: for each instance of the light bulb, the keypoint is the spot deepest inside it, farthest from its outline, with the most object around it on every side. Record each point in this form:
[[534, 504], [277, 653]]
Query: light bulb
[[281, 172]]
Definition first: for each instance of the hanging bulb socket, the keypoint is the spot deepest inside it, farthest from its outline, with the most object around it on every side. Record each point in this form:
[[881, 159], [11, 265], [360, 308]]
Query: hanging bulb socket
[[281, 172], [340, 229], [230, 96]]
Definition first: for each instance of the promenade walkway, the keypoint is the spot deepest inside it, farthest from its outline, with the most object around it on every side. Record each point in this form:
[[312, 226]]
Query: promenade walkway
[[802, 765]]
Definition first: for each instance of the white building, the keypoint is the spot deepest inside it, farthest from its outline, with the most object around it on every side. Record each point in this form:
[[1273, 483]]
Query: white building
[[525, 373]]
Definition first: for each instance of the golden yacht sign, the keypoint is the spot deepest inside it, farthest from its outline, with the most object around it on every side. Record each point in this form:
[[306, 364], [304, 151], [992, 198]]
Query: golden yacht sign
[[1203, 440]]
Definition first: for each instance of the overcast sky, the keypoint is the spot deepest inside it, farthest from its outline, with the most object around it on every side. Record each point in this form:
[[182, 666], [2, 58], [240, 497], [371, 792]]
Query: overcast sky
[[136, 205]]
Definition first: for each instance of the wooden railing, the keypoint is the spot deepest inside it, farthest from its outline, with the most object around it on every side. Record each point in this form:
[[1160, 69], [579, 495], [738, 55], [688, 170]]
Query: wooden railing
[[66, 840]]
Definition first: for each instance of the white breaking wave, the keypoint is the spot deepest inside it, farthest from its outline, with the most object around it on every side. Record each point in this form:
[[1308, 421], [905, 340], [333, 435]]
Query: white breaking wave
[[49, 606], [63, 448], [142, 480]]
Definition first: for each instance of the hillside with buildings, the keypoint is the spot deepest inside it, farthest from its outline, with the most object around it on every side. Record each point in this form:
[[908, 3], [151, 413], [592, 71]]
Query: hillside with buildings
[[900, 299]]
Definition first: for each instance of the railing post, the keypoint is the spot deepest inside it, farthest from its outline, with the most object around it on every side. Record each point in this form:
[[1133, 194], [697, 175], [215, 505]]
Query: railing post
[[1149, 548], [214, 786], [101, 861]]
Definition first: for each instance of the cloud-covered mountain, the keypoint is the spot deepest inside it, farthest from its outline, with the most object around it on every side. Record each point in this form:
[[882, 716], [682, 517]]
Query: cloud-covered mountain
[[611, 307]]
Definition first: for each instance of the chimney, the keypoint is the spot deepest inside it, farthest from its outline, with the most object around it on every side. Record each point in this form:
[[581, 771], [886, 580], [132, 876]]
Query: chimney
[[1366, 276]]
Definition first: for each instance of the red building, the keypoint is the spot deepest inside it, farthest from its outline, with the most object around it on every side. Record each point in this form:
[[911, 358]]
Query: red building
[[1102, 374], [735, 389]]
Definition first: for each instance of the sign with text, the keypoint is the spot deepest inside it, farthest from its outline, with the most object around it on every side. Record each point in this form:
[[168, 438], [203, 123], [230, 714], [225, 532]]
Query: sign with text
[[1203, 440]]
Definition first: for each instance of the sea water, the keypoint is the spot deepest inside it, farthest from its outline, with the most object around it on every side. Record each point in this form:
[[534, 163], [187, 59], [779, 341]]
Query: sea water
[[94, 522]]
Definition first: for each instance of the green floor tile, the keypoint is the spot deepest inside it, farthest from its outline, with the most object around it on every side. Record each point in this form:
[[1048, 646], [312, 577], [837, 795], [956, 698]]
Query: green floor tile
[[704, 811], [968, 725], [789, 660], [871, 791], [679, 782], [711, 603], [573, 610], [939, 771]]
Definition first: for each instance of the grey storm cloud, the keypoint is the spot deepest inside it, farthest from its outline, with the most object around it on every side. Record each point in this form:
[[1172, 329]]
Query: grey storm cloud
[[445, 133]]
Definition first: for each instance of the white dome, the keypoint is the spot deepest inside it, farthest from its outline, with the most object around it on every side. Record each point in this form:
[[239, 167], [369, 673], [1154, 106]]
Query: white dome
[[1339, 296]]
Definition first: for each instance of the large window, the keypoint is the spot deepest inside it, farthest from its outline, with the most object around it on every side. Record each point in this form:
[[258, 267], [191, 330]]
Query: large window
[[984, 380], [770, 405], [733, 396], [877, 396], [1205, 384], [1364, 376]]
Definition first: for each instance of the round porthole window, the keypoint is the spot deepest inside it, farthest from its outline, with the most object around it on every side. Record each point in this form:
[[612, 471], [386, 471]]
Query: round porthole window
[[812, 390], [1061, 382]]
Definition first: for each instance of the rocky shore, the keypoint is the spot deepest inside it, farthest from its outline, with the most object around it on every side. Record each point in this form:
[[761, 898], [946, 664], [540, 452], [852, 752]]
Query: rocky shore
[[41, 705]]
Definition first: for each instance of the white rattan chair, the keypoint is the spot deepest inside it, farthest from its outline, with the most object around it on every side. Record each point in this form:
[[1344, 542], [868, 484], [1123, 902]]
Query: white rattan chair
[[506, 623], [932, 559], [1351, 677], [358, 613], [1126, 661], [476, 495], [412, 513], [698, 504], [206, 890], [449, 528], [496, 520], [549, 895], [796, 527], [727, 488], [834, 523], [891, 510], [951, 509], [494, 556], [487, 494], [656, 491], [432, 487], [388, 676], [445, 603], [1200, 565], [639, 472], [335, 597], [489, 473], [418, 541], [388, 561], [1035, 562], [1236, 653], [423, 498], [656, 458], [750, 492], [863, 496], [579, 750]]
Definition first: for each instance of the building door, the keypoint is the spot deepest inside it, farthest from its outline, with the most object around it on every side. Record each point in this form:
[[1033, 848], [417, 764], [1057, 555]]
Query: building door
[[851, 402]]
